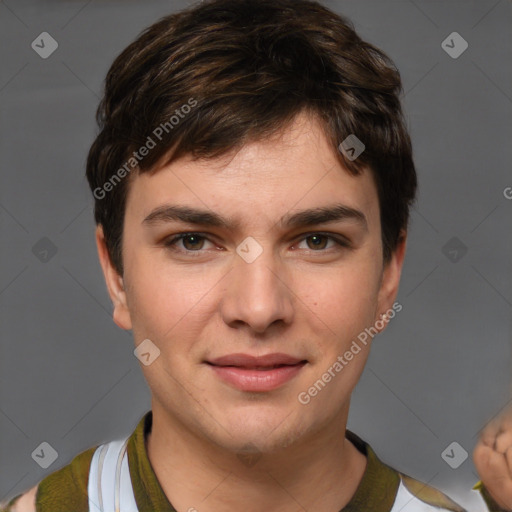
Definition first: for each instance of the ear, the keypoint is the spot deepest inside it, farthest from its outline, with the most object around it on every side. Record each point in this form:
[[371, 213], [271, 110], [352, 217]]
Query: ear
[[115, 284], [390, 281]]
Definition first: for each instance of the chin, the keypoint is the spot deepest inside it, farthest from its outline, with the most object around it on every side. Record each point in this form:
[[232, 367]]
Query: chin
[[263, 434]]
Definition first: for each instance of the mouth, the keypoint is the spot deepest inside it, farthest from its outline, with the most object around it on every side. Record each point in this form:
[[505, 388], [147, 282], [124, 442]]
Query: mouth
[[256, 374]]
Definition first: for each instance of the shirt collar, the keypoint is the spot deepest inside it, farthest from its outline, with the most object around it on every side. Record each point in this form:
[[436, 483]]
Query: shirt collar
[[376, 491]]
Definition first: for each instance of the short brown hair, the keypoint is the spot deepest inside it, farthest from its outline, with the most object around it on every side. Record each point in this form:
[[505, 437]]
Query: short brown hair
[[250, 66]]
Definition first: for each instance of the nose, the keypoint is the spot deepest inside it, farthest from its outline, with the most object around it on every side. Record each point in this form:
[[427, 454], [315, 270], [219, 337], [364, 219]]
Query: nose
[[258, 293]]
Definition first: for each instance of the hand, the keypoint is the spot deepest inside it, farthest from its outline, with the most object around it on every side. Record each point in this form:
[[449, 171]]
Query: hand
[[493, 459]]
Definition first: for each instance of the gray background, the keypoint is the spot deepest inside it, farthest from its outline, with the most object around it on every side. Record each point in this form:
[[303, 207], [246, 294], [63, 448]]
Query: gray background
[[68, 375]]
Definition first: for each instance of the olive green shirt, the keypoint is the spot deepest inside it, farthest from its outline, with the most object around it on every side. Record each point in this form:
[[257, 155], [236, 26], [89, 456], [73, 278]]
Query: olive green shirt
[[65, 490]]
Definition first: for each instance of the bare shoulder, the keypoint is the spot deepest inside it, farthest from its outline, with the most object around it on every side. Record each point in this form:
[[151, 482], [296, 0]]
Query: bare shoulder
[[25, 503]]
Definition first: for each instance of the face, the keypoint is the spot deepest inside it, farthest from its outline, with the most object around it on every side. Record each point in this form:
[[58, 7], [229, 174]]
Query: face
[[285, 261]]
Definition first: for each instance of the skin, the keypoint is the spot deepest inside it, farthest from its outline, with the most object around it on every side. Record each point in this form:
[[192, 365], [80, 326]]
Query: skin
[[310, 304], [493, 458], [294, 298], [27, 502]]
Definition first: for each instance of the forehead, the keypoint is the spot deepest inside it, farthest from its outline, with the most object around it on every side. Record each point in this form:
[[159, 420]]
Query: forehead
[[294, 169]]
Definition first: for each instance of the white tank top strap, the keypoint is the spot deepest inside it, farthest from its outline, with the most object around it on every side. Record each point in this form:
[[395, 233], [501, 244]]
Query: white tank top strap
[[110, 486]]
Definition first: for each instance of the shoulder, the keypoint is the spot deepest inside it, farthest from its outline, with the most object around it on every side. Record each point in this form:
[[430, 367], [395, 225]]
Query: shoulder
[[63, 490], [385, 488], [22, 503], [416, 496]]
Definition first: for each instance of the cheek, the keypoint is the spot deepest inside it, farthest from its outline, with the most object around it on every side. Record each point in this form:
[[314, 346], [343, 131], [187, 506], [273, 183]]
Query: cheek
[[345, 298], [164, 300]]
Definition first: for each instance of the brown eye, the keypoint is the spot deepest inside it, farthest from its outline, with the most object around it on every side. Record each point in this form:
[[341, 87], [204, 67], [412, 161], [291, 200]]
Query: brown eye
[[191, 242], [317, 241]]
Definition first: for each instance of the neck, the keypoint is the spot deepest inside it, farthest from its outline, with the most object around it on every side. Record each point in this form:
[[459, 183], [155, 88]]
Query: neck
[[320, 471]]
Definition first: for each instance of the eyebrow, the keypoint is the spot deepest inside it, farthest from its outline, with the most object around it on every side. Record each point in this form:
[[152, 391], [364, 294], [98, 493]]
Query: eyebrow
[[303, 218]]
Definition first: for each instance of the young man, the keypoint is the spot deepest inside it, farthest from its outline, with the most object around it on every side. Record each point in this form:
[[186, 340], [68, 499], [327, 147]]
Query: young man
[[252, 183]]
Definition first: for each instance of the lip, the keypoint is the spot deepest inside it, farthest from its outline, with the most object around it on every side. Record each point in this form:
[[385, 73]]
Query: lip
[[262, 373], [248, 361]]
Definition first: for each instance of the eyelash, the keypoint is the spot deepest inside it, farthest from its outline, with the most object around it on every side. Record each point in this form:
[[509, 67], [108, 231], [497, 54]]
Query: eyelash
[[170, 243]]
